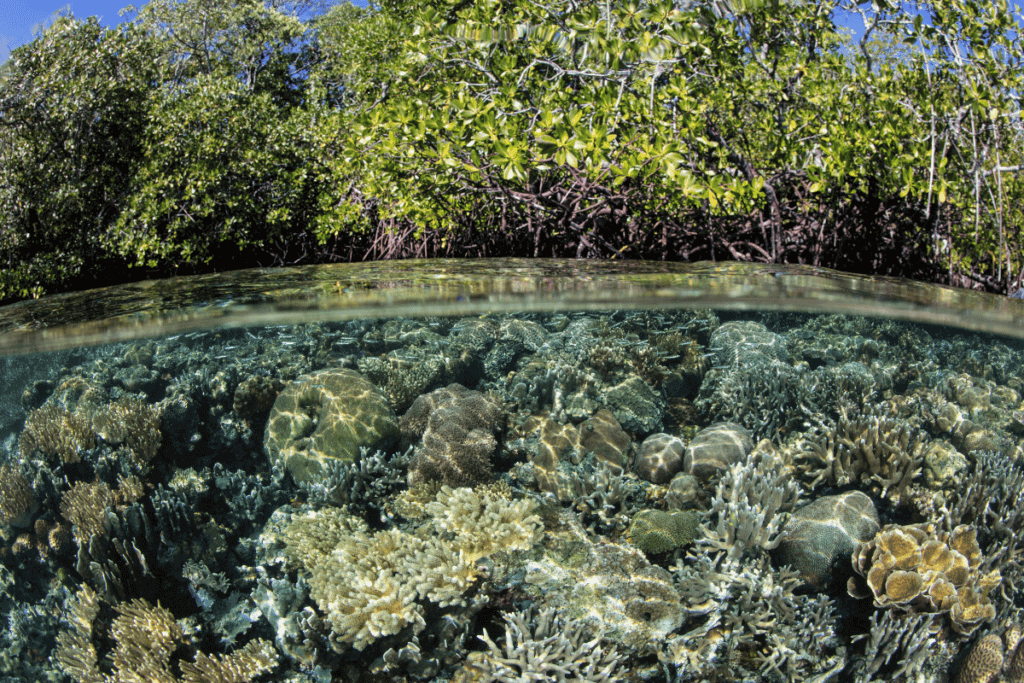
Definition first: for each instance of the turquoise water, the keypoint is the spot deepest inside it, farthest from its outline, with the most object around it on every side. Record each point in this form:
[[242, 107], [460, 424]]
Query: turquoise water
[[522, 483]]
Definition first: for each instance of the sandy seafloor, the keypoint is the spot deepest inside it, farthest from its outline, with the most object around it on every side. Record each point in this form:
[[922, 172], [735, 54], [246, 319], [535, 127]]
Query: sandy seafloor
[[616, 496]]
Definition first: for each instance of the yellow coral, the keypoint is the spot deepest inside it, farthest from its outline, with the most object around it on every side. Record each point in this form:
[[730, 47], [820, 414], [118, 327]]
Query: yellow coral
[[372, 585], [917, 568]]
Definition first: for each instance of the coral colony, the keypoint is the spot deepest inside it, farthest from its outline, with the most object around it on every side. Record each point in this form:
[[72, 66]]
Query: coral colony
[[624, 496]]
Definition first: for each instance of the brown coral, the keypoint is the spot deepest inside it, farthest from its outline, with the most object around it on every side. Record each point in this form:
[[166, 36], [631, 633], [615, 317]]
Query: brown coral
[[145, 641], [53, 430], [916, 568], [458, 427], [132, 422], [983, 663], [17, 501], [883, 452]]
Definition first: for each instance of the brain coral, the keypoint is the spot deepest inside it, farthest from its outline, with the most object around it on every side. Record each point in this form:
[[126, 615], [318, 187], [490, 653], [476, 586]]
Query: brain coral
[[654, 531], [660, 457], [715, 448], [818, 534], [602, 435], [459, 429], [916, 568], [324, 415]]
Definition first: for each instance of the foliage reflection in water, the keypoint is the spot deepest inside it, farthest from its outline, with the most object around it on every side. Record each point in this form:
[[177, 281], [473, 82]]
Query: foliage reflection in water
[[599, 496]]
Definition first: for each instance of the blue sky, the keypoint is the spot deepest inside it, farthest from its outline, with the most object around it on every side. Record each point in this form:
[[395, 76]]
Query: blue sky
[[18, 17]]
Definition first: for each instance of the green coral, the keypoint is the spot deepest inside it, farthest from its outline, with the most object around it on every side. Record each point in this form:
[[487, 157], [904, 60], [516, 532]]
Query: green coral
[[656, 532]]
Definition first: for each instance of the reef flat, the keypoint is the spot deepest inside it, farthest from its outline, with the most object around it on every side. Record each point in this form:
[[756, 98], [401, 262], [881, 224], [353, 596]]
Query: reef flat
[[592, 496]]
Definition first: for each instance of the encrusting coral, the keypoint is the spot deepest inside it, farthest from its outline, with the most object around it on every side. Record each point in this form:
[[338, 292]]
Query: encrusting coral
[[145, 639], [917, 568], [372, 585]]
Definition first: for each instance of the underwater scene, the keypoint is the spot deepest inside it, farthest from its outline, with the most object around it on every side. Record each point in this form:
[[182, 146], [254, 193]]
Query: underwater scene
[[628, 495]]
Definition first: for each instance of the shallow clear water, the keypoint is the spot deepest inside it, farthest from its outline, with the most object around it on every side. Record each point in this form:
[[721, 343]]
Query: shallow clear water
[[578, 471]]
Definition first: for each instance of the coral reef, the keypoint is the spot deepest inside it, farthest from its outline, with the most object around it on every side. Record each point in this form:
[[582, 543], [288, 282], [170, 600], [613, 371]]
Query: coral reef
[[984, 662], [656, 532], [882, 452], [750, 611], [133, 423], [541, 645], [55, 431], [327, 415], [918, 568], [17, 500], [750, 505], [372, 585], [145, 639], [602, 435], [459, 429]]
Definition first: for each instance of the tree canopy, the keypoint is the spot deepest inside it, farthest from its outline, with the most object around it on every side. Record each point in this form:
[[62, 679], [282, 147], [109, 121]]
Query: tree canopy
[[218, 133]]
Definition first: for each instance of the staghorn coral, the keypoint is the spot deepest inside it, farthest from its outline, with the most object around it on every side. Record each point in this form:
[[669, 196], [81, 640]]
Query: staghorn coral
[[458, 428], [85, 505], [17, 500], [992, 500], [883, 452], [750, 614], [132, 422], [918, 568], [897, 646], [145, 640], [541, 645], [360, 484], [372, 585], [749, 506], [53, 430]]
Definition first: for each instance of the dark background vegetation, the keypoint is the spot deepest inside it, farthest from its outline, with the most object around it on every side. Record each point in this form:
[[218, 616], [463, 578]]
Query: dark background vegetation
[[220, 134]]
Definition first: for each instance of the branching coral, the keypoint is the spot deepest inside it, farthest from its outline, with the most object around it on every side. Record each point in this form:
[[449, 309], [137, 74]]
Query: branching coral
[[883, 452], [145, 639], [53, 430], [372, 585], [749, 506], [897, 645], [17, 500], [132, 422], [541, 646]]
